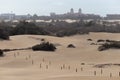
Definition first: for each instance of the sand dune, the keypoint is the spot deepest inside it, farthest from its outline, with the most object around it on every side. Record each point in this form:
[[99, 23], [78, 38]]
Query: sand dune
[[64, 63]]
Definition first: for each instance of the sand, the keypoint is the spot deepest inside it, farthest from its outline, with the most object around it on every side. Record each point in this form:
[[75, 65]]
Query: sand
[[64, 63]]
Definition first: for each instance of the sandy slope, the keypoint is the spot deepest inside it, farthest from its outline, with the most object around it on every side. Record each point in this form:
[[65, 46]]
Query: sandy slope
[[64, 64]]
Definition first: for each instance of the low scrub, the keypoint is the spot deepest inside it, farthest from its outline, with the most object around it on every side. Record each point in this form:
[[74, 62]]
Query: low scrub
[[1, 53], [110, 45], [89, 39], [100, 40], [45, 46], [71, 46]]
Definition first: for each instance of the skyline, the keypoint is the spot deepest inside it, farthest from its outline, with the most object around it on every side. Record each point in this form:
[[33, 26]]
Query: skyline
[[45, 7]]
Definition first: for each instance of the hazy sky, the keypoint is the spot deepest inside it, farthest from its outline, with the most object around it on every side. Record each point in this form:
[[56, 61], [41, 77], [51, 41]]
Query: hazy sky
[[44, 7]]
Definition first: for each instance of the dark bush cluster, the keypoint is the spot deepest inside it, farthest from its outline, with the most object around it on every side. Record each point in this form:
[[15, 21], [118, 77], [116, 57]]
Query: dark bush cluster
[[55, 28], [45, 46], [1, 53], [5, 30], [4, 35], [100, 40], [71, 46], [111, 45], [70, 32], [89, 39], [28, 28], [110, 40]]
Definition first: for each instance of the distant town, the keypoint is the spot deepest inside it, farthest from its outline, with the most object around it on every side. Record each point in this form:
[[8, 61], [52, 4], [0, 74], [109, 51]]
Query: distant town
[[71, 15]]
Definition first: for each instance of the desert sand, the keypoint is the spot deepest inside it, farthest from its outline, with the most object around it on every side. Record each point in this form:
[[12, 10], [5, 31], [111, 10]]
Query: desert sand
[[63, 64]]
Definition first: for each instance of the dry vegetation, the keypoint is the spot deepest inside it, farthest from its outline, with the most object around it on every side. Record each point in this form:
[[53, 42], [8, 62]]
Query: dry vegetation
[[45, 46], [109, 45], [84, 62], [54, 28]]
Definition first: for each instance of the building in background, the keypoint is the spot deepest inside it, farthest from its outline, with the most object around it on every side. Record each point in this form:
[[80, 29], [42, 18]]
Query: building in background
[[7, 16], [112, 16], [74, 15]]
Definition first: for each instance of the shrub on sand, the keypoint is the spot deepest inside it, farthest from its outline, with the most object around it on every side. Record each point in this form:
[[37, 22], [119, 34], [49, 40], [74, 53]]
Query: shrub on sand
[[71, 46], [1, 53], [45, 46]]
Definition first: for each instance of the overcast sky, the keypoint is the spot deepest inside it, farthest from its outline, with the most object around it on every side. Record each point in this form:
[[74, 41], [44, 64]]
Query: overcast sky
[[44, 7]]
